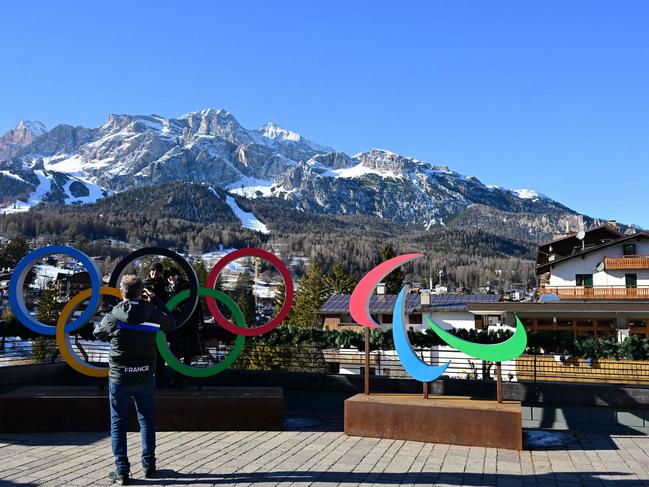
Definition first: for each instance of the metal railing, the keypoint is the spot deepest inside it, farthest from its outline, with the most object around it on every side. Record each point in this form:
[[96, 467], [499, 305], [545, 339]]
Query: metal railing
[[257, 355]]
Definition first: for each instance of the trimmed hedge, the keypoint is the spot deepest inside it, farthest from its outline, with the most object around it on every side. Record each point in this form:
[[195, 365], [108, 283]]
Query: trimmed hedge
[[633, 348]]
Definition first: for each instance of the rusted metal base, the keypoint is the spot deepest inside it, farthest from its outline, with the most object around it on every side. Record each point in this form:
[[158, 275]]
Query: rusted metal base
[[58, 409], [440, 419]]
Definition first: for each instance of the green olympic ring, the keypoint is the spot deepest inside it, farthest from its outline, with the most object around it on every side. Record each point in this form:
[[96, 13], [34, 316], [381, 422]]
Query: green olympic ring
[[188, 370]]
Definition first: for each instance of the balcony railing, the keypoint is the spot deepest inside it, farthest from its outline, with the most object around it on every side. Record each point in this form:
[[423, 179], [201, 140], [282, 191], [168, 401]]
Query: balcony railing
[[596, 292], [627, 262]]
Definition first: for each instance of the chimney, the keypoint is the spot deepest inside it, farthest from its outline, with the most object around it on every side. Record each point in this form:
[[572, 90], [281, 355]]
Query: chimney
[[425, 298], [380, 288]]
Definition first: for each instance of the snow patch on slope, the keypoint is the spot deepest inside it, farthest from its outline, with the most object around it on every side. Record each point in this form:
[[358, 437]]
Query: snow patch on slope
[[94, 192], [35, 127], [357, 171], [248, 220], [273, 131], [13, 176], [44, 187], [73, 167], [528, 194], [249, 187], [66, 164]]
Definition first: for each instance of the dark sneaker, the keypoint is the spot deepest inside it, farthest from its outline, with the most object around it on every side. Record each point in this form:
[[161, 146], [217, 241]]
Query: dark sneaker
[[119, 478], [149, 473]]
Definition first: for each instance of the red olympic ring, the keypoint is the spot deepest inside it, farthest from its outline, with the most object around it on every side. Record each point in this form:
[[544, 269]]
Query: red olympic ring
[[283, 312]]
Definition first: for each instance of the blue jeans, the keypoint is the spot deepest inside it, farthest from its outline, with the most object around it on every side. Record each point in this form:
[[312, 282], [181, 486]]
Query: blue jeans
[[119, 396]]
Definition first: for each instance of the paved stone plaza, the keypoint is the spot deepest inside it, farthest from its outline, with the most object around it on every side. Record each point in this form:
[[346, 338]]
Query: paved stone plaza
[[321, 458]]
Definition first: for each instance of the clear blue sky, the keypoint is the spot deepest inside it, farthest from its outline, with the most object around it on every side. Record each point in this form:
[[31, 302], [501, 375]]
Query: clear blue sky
[[552, 96]]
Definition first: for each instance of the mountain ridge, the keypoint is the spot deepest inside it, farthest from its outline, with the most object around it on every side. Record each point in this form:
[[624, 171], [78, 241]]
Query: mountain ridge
[[211, 147]]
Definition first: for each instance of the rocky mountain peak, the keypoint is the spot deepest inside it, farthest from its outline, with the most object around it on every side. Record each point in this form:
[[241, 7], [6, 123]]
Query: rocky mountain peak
[[274, 131], [386, 161], [20, 136], [210, 147], [33, 127], [218, 123]]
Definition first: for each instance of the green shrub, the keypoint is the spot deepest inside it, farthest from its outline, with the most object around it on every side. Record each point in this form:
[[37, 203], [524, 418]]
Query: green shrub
[[43, 349], [635, 347]]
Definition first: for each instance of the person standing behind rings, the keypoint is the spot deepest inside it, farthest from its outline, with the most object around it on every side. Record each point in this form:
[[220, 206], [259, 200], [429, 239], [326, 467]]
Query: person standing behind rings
[[158, 285], [131, 326], [185, 340]]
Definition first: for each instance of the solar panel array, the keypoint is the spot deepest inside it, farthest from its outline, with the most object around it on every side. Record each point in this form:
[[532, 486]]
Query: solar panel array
[[453, 299], [339, 303]]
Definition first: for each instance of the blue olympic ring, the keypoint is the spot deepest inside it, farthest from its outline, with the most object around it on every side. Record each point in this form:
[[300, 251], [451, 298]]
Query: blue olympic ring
[[17, 299]]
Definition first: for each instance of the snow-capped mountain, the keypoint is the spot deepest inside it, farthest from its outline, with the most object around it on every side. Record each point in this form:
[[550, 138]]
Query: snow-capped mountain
[[20, 136], [211, 147]]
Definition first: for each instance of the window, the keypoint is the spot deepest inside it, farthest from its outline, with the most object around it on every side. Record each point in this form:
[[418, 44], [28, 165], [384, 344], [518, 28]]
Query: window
[[629, 249], [413, 318], [585, 280], [635, 324], [631, 280]]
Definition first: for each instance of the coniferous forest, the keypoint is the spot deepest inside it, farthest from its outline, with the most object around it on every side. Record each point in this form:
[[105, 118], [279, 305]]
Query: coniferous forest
[[196, 219]]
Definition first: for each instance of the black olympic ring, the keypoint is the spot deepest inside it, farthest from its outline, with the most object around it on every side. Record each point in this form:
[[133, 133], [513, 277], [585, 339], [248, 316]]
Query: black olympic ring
[[188, 310]]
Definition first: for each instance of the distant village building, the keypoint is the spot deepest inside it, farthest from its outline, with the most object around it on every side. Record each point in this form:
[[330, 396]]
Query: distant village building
[[591, 283], [46, 273], [5, 277], [69, 285], [439, 289], [446, 310]]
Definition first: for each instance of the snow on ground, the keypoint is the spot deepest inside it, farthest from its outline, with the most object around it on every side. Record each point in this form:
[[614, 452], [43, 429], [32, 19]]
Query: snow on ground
[[94, 192], [546, 439], [212, 257], [248, 220], [46, 273], [264, 291], [73, 167], [72, 164], [13, 176], [44, 186], [249, 187]]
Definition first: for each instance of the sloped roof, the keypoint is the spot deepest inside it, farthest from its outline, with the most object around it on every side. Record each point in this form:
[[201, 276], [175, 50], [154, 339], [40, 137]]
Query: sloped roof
[[541, 268], [339, 303]]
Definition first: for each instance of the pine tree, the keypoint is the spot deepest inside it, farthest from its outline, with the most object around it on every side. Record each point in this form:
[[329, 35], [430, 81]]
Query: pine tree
[[201, 272], [245, 298], [280, 296], [48, 305], [218, 284], [394, 280], [340, 280], [13, 251], [312, 294], [278, 302]]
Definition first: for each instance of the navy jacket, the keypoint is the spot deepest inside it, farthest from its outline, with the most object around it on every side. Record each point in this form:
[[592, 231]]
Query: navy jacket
[[131, 327]]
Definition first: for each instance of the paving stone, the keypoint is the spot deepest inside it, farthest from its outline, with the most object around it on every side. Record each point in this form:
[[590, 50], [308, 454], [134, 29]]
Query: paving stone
[[294, 458]]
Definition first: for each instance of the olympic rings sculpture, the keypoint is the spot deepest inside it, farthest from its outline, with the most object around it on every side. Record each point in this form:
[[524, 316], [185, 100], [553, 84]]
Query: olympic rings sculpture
[[358, 306], [63, 329]]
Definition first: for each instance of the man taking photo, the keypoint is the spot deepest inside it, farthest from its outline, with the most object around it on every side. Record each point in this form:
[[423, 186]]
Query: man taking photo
[[131, 327]]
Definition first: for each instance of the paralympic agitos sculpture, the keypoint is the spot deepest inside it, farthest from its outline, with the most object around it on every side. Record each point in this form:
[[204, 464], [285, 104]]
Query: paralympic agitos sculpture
[[359, 303]]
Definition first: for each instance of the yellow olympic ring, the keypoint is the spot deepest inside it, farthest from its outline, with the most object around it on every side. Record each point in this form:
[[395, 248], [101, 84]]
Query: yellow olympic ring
[[63, 338]]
